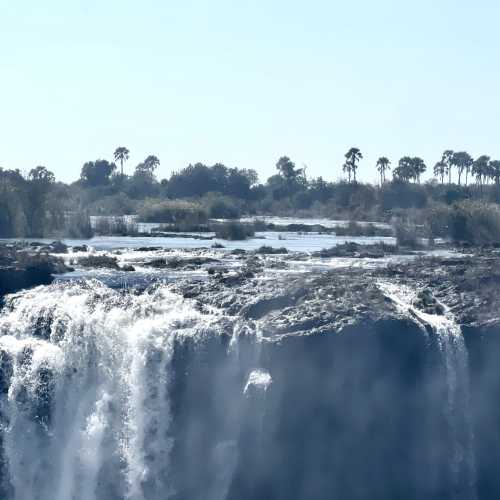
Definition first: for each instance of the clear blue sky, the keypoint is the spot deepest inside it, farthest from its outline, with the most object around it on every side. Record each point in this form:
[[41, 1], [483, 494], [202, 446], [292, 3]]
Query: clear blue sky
[[244, 82]]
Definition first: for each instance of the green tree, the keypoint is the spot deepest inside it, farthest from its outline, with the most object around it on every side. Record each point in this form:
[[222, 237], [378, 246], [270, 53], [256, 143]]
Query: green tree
[[152, 162], [121, 155], [418, 167], [382, 166], [148, 166], [446, 159], [97, 173], [404, 171], [440, 171], [347, 168], [41, 176], [352, 158], [480, 170], [462, 161], [494, 167], [40, 182], [287, 169]]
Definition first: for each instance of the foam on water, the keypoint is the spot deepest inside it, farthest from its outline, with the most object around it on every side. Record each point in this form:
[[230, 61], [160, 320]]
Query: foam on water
[[259, 379]]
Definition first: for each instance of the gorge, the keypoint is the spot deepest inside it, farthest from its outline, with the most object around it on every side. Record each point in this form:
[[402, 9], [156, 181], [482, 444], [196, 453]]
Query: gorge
[[242, 376]]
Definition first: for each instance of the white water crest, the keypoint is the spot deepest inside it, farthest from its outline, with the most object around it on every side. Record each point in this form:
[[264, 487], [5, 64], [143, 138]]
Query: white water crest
[[456, 364], [259, 379], [87, 400]]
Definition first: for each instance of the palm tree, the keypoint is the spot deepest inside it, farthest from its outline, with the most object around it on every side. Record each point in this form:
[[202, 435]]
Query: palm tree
[[151, 163], [346, 167], [446, 159], [418, 167], [463, 162], [352, 157], [480, 169], [383, 165], [404, 170], [440, 170], [494, 168], [468, 166], [121, 155]]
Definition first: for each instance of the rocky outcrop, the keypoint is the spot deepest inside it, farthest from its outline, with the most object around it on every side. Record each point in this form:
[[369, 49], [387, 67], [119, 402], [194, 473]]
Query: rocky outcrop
[[99, 262], [27, 266]]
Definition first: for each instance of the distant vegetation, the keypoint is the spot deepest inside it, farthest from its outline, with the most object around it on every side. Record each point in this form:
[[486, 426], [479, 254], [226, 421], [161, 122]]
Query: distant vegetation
[[459, 203]]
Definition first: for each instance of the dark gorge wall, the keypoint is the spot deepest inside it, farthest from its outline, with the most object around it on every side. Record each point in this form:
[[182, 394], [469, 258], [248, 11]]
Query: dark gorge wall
[[373, 410], [483, 346], [356, 414]]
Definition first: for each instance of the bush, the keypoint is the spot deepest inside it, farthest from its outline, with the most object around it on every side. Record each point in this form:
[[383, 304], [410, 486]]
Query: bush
[[475, 223], [438, 220], [172, 211], [223, 209], [356, 229], [117, 204], [78, 226], [406, 235], [267, 250], [234, 231], [115, 226], [398, 194]]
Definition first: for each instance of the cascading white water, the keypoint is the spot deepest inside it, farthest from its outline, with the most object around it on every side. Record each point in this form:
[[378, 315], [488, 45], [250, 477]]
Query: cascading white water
[[87, 414], [455, 357], [457, 377]]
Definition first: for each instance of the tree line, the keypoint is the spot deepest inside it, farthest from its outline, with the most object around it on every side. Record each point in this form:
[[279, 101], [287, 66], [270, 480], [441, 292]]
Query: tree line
[[36, 204]]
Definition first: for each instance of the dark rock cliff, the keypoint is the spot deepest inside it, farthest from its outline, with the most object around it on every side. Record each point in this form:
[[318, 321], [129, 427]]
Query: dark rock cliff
[[353, 414], [24, 266]]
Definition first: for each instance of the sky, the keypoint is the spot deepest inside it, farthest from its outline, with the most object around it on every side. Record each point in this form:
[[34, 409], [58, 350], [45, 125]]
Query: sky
[[244, 82]]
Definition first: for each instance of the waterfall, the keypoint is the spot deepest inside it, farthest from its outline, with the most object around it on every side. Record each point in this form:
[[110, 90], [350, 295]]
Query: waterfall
[[85, 412], [119, 395], [455, 356], [457, 409]]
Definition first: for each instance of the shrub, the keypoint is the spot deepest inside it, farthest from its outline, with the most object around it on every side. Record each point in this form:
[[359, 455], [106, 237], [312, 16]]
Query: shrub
[[267, 250], [78, 226], [234, 231], [115, 226], [172, 211], [475, 223], [398, 194], [438, 220], [406, 235], [116, 204], [223, 209], [356, 229]]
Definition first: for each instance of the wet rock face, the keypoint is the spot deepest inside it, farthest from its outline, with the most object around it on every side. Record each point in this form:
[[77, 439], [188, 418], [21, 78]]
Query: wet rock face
[[483, 346], [24, 266], [427, 303], [352, 414], [13, 279]]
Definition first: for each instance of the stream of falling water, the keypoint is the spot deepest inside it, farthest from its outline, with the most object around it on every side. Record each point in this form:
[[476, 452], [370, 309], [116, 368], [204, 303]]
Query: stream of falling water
[[455, 358], [86, 372]]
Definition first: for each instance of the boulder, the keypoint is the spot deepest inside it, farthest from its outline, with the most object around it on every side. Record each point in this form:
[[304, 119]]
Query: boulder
[[99, 261]]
